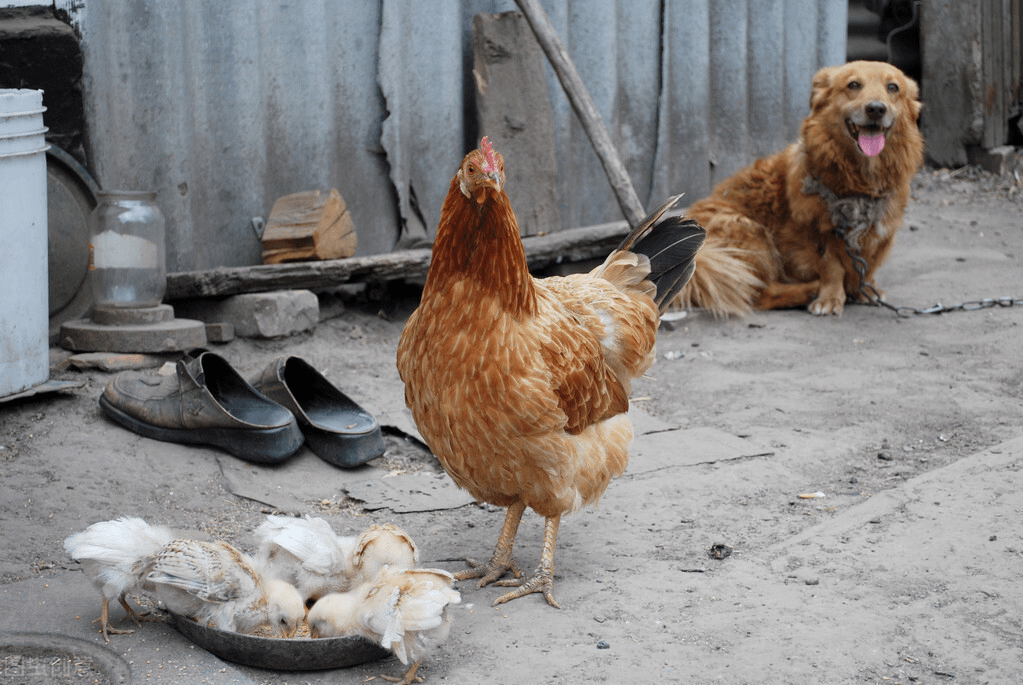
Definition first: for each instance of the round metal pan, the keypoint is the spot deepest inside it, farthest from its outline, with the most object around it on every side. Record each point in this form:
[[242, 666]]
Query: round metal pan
[[279, 654]]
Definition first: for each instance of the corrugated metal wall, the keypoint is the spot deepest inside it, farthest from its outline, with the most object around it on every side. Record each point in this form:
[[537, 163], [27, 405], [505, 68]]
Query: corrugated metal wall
[[224, 106]]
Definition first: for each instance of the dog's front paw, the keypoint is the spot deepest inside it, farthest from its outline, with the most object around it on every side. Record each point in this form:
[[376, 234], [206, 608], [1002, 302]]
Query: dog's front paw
[[823, 306]]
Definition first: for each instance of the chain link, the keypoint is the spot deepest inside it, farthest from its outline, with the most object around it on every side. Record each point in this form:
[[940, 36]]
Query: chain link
[[871, 293]]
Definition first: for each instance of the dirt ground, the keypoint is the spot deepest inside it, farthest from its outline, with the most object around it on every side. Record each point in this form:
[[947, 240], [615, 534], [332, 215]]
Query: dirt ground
[[905, 569]]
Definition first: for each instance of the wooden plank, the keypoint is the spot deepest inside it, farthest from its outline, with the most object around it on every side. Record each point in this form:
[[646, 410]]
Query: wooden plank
[[514, 112], [582, 103], [991, 51], [573, 245]]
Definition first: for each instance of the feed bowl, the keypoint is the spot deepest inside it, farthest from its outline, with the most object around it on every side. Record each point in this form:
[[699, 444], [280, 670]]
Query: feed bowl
[[280, 654]]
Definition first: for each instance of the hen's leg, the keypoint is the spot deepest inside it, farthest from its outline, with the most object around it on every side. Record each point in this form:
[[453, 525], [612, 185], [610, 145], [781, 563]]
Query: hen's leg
[[543, 579], [502, 560]]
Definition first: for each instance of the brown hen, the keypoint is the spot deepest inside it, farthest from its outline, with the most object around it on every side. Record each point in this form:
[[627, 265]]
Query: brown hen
[[520, 385]]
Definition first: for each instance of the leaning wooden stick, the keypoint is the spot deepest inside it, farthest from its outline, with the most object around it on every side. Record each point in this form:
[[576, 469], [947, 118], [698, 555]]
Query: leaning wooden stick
[[584, 108]]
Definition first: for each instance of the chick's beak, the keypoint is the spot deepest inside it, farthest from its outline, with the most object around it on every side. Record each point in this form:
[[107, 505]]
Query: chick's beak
[[289, 632]]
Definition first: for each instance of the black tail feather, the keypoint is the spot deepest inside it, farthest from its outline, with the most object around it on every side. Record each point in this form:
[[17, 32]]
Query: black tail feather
[[671, 241]]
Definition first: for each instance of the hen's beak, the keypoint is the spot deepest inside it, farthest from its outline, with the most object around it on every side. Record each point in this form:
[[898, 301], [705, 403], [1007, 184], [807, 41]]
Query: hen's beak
[[495, 176], [289, 633]]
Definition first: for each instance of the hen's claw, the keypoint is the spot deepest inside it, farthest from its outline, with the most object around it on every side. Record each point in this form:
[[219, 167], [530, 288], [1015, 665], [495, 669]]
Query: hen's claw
[[490, 571], [543, 582]]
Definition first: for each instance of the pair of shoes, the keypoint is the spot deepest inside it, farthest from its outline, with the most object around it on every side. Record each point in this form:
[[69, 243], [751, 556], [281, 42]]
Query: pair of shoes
[[205, 403], [336, 429], [208, 403]]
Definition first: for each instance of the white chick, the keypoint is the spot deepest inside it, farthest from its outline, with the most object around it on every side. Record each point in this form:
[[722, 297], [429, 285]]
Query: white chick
[[107, 551], [379, 546], [307, 553], [215, 583], [405, 611]]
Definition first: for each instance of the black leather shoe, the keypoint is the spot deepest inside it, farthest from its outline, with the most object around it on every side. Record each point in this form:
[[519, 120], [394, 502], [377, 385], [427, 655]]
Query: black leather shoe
[[336, 429], [206, 403]]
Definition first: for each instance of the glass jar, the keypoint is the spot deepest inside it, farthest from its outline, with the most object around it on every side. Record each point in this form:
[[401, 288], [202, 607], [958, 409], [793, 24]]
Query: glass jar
[[127, 262]]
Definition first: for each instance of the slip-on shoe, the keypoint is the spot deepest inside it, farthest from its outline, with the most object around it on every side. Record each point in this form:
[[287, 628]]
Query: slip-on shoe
[[336, 428], [205, 403]]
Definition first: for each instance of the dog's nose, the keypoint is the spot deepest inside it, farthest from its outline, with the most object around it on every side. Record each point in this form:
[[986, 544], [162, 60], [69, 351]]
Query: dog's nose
[[875, 109]]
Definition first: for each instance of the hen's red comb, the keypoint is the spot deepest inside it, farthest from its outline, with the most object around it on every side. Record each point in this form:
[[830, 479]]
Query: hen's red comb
[[489, 160]]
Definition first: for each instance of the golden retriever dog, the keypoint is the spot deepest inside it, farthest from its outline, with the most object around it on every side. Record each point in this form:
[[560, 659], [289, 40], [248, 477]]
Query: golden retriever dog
[[775, 229]]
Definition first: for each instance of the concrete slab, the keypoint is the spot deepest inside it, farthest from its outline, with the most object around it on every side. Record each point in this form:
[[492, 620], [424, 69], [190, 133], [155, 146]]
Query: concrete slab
[[410, 492], [299, 481]]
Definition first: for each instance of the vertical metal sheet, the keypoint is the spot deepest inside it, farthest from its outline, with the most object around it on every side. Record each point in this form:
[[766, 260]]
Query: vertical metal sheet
[[223, 107], [420, 76]]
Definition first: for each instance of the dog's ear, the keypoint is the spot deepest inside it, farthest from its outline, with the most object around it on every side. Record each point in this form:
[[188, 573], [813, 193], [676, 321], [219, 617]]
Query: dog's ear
[[819, 86], [912, 92]]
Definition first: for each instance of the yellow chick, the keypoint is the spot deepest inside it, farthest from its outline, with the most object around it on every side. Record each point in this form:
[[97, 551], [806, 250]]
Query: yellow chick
[[108, 551], [403, 610], [215, 583]]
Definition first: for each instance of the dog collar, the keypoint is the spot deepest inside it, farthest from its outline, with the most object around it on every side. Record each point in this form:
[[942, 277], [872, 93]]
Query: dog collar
[[852, 215]]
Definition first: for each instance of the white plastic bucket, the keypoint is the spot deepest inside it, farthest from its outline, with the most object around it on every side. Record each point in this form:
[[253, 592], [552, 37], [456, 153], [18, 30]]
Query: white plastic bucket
[[24, 276]]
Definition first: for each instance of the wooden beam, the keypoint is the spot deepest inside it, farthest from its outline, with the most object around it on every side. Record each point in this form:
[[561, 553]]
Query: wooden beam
[[573, 245], [582, 103]]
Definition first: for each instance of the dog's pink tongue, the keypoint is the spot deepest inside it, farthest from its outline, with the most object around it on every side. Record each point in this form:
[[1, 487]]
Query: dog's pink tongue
[[871, 145]]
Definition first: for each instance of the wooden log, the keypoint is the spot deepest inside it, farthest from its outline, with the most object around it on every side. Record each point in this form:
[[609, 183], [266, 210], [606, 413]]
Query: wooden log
[[573, 245], [582, 103]]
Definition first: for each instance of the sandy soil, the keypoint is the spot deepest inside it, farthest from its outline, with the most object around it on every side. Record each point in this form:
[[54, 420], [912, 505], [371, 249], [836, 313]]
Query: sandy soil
[[906, 570]]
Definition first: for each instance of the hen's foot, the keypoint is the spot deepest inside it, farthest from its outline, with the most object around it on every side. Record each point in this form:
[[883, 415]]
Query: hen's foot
[[501, 562], [543, 579], [543, 582], [490, 571]]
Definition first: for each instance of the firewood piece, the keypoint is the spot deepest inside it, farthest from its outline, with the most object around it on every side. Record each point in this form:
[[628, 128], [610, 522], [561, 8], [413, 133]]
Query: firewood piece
[[309, 225]]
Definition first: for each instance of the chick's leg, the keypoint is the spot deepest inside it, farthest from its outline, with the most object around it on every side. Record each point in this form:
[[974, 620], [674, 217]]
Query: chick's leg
[[502, 561], [104, 621], [543, 579], [409, 677]]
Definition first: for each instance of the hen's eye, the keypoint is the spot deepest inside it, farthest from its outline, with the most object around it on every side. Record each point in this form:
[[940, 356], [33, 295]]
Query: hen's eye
[[284, 622], [893, 88], [471, 168], [854, 85]]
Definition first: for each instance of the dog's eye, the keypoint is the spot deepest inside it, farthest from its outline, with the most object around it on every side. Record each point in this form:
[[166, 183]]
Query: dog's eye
[[854, 85], [893, 88]]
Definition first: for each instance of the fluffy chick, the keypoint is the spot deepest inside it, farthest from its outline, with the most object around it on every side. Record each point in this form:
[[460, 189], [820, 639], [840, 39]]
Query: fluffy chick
[[383, 545], [405, 611], [108, 551], [307, 553], [215, 583]]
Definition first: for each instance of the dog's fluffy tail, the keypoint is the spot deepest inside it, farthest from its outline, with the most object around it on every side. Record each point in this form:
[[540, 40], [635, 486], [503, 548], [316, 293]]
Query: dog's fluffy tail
[[723, 282]]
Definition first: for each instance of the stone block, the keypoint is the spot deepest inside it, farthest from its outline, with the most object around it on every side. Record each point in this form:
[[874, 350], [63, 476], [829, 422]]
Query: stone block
[[220, 332], [258, 315], [998, 160]]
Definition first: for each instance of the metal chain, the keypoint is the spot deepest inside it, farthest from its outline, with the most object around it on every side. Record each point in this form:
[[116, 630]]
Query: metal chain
[[871, 293]]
